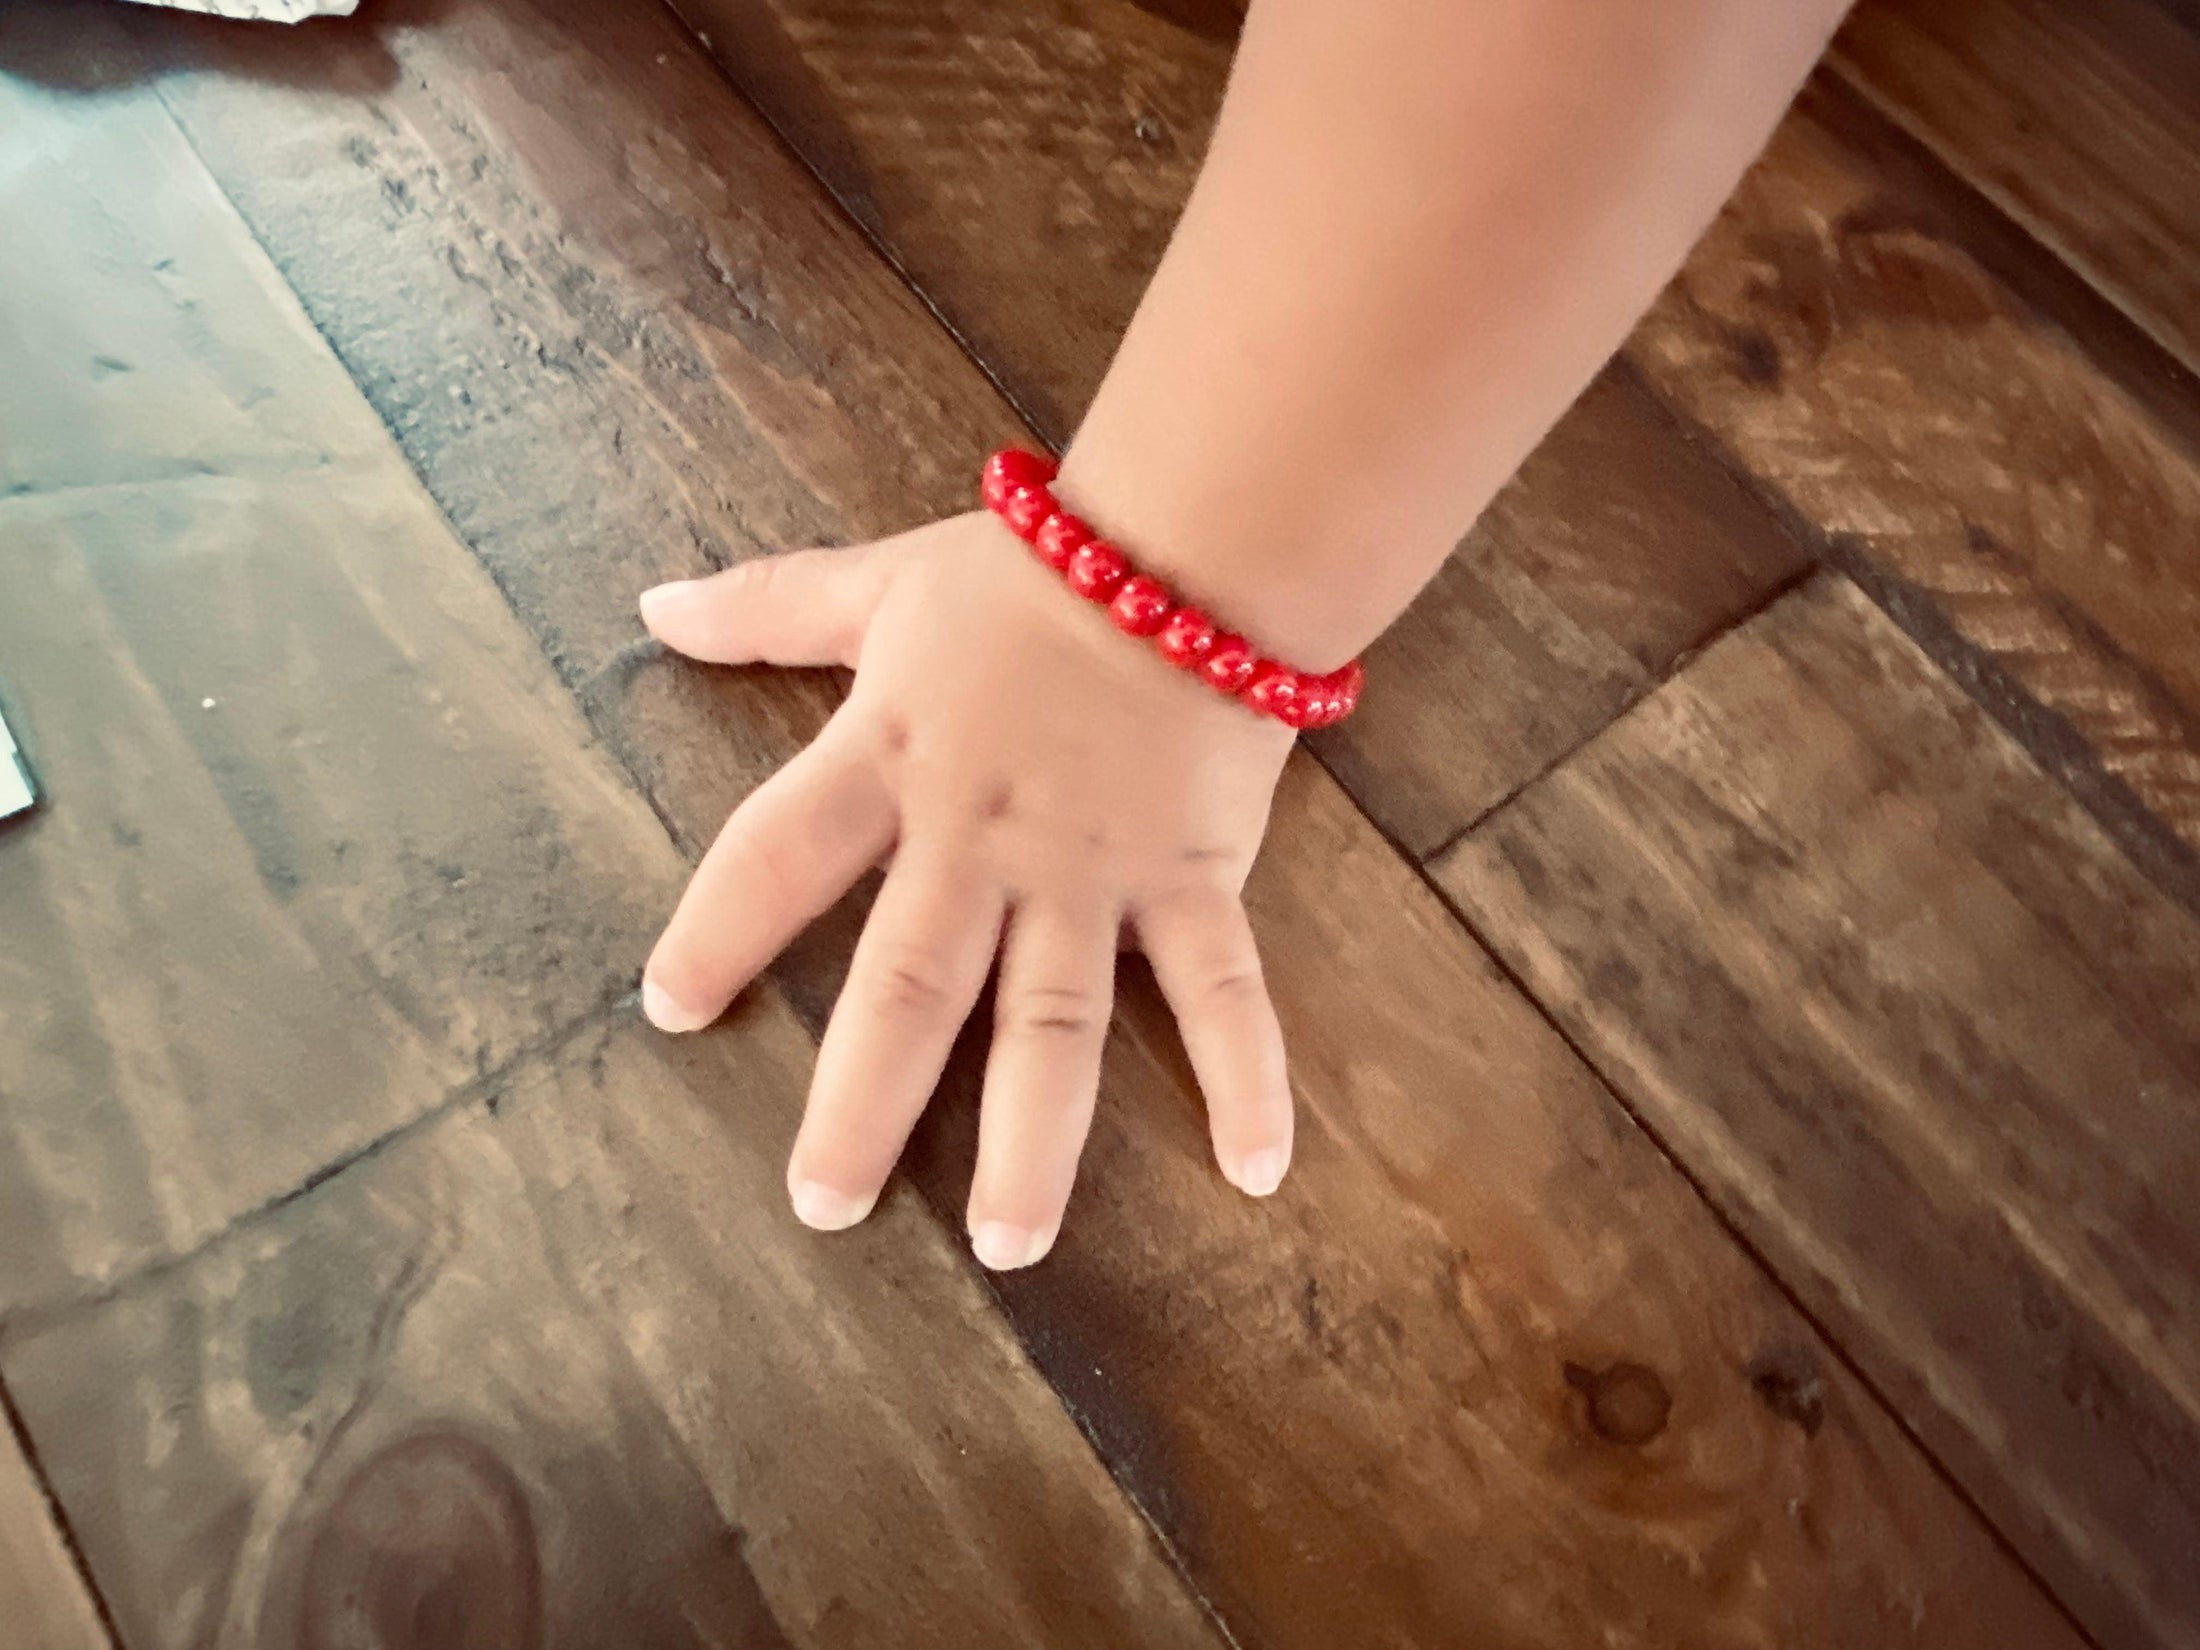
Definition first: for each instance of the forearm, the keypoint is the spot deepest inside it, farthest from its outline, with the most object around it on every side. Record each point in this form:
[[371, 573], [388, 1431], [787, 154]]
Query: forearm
[[1421, 227]]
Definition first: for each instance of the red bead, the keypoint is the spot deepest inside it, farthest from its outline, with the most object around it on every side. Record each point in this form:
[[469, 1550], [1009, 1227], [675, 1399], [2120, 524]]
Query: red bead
[[1331, 706], [1229, 664], [1186, 637], [1141, 607], [1273, 689], [1009, 468], [1097, 570], [1349, 682], [1026, 509], [1061, 536]]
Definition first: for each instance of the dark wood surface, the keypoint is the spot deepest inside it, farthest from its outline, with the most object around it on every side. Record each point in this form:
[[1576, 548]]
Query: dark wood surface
[[2013, 479], [42, 1596], [1927, 1034], [2083, 122], [332, 842], [535, 1333], [1206, 1346], [548, 1372]]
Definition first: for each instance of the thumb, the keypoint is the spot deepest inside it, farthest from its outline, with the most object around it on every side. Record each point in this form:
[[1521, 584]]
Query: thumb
[[806, 607]]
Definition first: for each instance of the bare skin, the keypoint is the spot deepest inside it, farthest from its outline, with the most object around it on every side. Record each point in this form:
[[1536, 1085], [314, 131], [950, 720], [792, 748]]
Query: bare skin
[[1421, 228]]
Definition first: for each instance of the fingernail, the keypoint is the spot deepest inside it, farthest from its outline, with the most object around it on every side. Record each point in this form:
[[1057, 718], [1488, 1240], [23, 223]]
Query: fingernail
[[661, 1011], [1262, 1172], [1001, 1247], [818, 1205], [661, 599]]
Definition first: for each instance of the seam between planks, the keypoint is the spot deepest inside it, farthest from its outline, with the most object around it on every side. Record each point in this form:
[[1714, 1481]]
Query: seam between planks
[[1741, 1239], [79, 1565], [2050, 739], [1840, 66], [484, 1090], [2060, 750], [1672, 668], [877, 242]]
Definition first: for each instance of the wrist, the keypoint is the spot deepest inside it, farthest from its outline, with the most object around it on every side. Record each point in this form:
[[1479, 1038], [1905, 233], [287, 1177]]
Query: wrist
[[1265, 558], [1146, 601]]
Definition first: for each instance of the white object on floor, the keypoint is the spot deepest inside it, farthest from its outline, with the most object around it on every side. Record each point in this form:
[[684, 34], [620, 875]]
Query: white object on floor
[[15, 778], [265, 11]]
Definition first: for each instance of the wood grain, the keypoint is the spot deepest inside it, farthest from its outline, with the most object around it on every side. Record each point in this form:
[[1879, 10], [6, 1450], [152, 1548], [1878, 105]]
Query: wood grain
[[1489, 1371], [1929, 1039], [141, 340], [2081, 122], [287, 894], [319, 849], [1961, 451], [1024, 164], [42, 1598], [554, 1371]]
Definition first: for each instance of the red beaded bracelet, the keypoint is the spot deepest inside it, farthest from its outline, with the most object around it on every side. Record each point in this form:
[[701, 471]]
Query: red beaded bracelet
[[1014, 485]]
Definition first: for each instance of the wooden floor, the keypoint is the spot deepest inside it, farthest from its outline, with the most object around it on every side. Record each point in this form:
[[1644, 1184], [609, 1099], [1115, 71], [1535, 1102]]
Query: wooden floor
[[1742, 967]]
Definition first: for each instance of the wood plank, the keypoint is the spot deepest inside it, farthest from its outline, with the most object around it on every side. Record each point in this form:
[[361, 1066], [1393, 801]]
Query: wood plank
[[1930, 1040], [2081, 122], [556, 1371], [42, 1598], [140, 342], [1488, 1370], [286, 895], [1024, 166], [2026, 512]]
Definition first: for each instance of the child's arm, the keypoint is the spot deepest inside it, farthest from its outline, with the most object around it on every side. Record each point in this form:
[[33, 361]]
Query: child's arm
[[1422, 226]]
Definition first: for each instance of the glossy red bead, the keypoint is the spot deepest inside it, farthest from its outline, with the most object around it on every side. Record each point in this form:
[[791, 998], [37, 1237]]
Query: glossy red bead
[[1097, 570], [1009, 468], [1141, 607], [1186, 637], [1060, 537], [1229, 664], [1026, 509], [1349, 681], [1272, 689]]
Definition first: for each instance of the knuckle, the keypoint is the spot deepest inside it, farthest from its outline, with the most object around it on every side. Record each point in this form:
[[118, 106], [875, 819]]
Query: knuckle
[[1234, 985], [1068, 1014], [910, 982]]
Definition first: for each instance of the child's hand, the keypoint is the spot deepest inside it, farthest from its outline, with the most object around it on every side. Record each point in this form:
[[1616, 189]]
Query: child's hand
[[1040, 782]]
